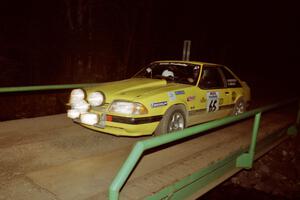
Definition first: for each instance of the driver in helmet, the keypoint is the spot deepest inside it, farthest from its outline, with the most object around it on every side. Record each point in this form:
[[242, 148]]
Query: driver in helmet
[[167, 73]]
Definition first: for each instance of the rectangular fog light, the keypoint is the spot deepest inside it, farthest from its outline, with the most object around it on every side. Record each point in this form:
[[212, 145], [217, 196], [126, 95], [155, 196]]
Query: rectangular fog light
[[89, 118]]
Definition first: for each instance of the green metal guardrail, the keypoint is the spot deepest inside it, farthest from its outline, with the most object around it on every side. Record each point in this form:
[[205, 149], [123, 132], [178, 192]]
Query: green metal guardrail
[[44, 87], [244, 160]]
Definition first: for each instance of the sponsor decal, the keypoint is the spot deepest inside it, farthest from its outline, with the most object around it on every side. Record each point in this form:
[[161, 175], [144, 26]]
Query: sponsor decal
[[231, 82], [212, 104], [203, 100], [221, 101], [233, 95], [190, 98], [159, 104], [172, 96], [179, 92], [172, 63]]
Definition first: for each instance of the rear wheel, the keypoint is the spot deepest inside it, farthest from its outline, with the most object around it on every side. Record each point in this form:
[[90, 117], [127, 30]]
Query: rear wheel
[[239, 107], [173, 120]]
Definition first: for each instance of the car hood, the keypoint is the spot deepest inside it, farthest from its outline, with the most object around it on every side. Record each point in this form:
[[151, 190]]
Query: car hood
[[133, 89]]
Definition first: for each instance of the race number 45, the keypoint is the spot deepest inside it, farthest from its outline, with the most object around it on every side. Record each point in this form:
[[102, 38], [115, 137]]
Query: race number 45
[[212, 101]]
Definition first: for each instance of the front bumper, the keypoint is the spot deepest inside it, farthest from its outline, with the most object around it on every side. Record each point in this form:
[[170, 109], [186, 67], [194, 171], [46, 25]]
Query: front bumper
[[123, 126]]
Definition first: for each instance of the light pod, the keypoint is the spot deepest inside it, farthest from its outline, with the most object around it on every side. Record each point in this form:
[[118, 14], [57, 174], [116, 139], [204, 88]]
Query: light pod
[[95, 98], [73, 114], [89, 118]]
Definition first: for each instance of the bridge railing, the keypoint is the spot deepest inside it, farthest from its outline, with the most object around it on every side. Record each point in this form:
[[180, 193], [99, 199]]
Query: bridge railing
[[44, 87], [245, 160]]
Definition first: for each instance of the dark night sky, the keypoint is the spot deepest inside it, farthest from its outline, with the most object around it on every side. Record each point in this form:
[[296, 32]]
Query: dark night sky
[[260, 41]]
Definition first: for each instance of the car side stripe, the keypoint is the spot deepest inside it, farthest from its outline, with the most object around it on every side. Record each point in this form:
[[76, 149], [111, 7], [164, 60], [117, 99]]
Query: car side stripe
[[195, 112]]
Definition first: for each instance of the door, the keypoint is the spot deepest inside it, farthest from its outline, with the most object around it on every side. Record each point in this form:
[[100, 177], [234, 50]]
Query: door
[[213, 94], [233, 85], [213, 89]]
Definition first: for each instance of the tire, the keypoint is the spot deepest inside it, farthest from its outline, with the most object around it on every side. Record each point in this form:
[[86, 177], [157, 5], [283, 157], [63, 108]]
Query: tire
[[239, 107], [173, 120]]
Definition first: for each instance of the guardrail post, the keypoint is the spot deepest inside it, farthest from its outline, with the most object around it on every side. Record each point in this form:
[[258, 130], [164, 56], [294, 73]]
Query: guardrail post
[[293, 130], [126, 169], [246, 159]]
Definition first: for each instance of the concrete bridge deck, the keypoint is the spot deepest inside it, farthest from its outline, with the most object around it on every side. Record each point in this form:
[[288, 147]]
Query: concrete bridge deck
[[53, 158]]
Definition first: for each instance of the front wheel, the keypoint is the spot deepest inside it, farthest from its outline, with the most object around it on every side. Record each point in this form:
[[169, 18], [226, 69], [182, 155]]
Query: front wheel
[[176, 122], [173, 120]]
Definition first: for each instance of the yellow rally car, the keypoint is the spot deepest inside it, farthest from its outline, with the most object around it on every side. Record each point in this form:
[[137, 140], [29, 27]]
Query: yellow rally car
[[163, 97]]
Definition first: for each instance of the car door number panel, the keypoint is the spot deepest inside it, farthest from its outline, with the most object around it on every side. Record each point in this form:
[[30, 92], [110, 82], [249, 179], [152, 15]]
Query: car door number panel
[[212, 103]]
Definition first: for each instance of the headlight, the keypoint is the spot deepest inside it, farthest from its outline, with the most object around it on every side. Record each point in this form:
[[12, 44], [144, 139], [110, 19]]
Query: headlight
[[77, 95], [128, 108], [95, 98]]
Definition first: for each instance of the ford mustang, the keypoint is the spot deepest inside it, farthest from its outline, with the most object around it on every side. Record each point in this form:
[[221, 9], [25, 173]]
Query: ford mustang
[[163, 97]]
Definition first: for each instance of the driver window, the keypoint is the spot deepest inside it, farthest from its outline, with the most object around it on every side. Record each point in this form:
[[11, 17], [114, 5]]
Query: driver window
[[211, 78]]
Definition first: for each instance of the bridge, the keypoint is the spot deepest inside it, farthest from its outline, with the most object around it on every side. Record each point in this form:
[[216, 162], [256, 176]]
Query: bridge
[[51, 157]]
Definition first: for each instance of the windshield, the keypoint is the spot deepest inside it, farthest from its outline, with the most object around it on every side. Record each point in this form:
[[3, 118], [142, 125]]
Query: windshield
[[172, 72]]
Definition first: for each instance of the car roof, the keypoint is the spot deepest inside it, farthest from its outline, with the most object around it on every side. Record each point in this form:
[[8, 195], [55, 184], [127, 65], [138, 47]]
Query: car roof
[[187, 62]]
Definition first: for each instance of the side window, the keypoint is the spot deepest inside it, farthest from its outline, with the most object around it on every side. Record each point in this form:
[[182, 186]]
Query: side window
[[211, 78], [231, 81]]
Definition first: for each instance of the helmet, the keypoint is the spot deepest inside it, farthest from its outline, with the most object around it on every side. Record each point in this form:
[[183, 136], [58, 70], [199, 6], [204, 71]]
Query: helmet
[[167, 73]]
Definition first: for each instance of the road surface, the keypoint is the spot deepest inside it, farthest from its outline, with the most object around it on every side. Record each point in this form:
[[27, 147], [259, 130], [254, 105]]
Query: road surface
[[53, 158]]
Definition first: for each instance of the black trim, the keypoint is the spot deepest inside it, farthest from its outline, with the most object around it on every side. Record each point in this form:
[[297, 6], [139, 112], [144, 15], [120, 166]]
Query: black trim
[[141, 120]]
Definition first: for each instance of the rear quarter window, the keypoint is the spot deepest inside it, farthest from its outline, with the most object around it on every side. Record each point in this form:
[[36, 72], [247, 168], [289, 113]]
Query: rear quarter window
[[231, 80]]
